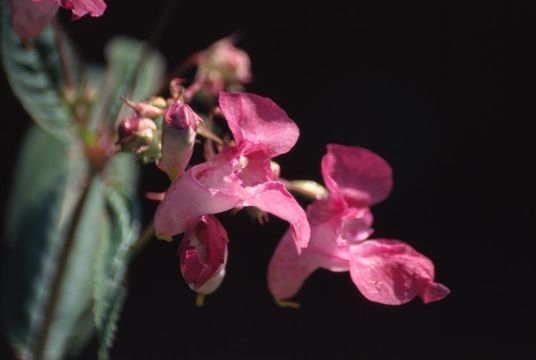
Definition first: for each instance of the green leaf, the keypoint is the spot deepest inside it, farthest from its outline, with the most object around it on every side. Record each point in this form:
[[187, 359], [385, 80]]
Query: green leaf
[[134, 71], [122, 174], [48, 207], [48, 185], [35, 76], [118, 235]]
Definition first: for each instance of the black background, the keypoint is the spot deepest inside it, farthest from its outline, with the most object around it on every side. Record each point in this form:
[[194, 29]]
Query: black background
[[440, 92]]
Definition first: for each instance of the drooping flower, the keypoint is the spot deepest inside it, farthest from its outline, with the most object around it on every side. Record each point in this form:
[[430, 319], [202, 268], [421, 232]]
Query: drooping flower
[[223, 66], [29, 17], [240, 175], [203, 255], [385, 271], [178, 137]]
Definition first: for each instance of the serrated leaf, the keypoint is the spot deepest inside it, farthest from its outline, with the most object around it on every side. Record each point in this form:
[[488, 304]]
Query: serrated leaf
[[133, 71], [34, 74], [118, 233]]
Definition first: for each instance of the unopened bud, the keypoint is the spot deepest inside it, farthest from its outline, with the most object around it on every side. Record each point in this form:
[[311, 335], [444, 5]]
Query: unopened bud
[[144, 110], [203, 255], [178, 138], [136, 134]]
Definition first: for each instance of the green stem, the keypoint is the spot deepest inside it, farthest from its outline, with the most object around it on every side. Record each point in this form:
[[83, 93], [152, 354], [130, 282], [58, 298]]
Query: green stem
[[58, 40], [146, 235], [50, 307]]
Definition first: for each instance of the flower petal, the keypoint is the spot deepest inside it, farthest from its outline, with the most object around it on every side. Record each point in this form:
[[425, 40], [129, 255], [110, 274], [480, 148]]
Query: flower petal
[[207, 188], [29, 17], [83, 7], [256, 120], [272, 197], [392, 272], [360, 176], [287, 270], [203, 255]]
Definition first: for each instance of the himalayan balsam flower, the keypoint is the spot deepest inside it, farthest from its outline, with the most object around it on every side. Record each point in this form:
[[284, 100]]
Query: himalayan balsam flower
[[29, 17], [203, 255], [240, 175], [385, 271]]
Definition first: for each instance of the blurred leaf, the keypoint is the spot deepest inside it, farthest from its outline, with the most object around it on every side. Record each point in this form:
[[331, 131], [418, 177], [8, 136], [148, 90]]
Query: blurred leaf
[[122, 174], [133, 71], [47, 207], [46, 190], [117, 238], [35, 76]]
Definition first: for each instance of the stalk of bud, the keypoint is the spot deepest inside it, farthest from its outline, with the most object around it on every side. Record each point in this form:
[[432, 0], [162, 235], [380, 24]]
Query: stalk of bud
[[144, 110], [203, 255]]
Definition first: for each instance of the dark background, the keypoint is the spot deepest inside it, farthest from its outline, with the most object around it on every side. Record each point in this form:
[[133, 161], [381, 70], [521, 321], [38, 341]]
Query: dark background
[[440, 92]]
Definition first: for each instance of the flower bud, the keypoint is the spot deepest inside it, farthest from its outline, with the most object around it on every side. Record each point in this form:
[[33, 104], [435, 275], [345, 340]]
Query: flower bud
[[136, 134], [203, 255], [178, 137]]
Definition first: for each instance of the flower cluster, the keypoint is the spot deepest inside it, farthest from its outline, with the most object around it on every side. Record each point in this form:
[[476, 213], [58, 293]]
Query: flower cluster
[[237, 136], [333, 233]]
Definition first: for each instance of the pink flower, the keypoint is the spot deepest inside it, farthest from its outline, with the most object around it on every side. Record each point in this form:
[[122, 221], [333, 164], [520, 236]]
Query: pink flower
[[203, 255], [385, 271], [178, 137], [239, 175], [29, 17], [223, 66]]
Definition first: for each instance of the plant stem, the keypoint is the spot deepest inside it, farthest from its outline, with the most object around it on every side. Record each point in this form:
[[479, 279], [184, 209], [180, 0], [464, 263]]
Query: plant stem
[[146, 235], [58, 40], [50, 307]]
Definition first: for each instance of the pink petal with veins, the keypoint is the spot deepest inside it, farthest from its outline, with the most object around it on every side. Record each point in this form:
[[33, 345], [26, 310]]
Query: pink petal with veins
[[272, 197], [360, 176], [83, 7], [213, 187], [29, 17], [287, 271], [392, 272], [207, 188], [256, 120]]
